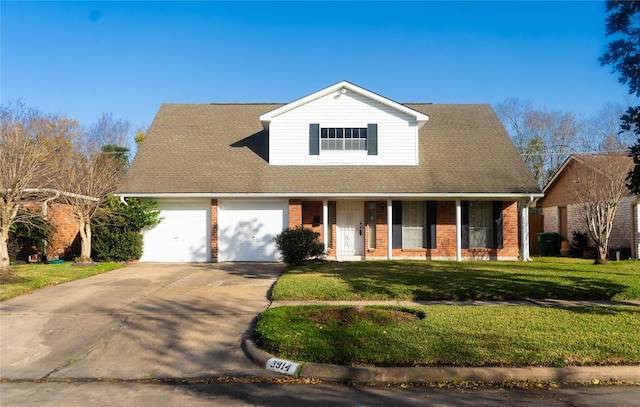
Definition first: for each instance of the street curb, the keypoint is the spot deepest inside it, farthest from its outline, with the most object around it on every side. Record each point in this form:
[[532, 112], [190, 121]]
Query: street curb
[[389, 375]]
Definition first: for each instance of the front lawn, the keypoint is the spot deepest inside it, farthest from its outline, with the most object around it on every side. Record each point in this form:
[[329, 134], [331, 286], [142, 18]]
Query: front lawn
[[26, 278], [453, 336], [557, 278]]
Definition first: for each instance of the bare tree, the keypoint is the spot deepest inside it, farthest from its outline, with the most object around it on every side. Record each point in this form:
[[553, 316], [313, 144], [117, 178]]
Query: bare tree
[[29, 140], [107, 131], [543, 138], [602, 133], [599, 191], [90, 175]]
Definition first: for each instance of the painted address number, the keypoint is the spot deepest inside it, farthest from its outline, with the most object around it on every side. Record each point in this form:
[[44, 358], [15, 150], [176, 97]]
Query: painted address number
[[282, 366]]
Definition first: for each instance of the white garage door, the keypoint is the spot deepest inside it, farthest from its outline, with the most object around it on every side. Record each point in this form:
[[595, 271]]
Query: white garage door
[[247, 229], [183, 235]]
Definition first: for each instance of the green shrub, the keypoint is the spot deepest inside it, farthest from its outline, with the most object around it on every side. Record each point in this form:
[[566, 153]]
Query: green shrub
[[116, 245], [298, 244], [117, 228]]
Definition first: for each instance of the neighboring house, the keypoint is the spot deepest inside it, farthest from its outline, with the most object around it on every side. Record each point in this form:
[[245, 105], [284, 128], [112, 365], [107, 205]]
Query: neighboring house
[[375, 178], [559, 204], [64, 241]]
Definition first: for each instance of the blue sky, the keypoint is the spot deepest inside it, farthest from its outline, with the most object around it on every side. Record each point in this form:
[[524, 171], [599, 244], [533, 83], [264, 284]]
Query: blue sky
[[83, 59]]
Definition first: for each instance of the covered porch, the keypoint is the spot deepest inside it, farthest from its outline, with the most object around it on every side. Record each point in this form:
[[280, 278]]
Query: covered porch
[[436, 228]]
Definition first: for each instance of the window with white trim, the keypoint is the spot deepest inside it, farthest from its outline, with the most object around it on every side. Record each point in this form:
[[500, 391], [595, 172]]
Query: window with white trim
[[343, 138]]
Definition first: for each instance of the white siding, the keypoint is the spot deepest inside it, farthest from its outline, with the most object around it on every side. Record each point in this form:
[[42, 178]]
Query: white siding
[[397, 132]]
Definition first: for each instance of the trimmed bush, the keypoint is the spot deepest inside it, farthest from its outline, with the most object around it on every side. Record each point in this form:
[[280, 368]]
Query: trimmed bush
[[117, 229], [298, 244]]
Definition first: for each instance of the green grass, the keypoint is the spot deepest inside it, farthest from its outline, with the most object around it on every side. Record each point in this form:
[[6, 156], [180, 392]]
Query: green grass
[[557, 278], [458, 336], [26, 278]]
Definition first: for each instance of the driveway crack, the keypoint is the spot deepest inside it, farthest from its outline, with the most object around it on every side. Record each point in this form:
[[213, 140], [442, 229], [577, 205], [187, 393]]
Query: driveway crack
[[101, 344]]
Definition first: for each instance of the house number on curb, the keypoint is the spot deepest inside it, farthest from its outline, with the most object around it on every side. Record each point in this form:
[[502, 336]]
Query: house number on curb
[[282, 366]]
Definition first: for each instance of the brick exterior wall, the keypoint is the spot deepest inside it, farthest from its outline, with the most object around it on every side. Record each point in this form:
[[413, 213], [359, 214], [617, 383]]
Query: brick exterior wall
[[621, 229], [295, 213], [66, 239], [380, 249], [214, 230], [302, 213]]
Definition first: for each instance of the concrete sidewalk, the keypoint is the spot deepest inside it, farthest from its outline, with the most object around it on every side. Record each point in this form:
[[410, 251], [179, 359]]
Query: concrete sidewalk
[[539, 303]]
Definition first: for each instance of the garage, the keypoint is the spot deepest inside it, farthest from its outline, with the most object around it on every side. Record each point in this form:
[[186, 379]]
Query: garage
[[183, 235], [247, 229]]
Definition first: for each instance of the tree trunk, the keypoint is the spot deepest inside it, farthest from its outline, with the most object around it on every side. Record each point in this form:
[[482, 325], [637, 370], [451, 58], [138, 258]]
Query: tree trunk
[[602, 255], [85, 241], [4, 249]]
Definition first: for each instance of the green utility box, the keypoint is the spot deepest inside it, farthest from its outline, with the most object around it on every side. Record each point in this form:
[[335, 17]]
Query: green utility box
[[548, 243]]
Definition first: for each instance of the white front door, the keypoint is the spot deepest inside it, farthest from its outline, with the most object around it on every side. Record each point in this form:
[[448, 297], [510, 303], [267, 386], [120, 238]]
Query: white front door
[[350, 229]]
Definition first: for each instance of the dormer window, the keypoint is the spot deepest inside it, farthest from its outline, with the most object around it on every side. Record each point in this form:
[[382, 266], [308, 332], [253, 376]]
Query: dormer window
[[339, 138], [343, 139]]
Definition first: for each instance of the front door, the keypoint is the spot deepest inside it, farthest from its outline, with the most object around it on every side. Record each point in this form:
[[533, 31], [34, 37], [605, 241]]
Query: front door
[[349, 229]]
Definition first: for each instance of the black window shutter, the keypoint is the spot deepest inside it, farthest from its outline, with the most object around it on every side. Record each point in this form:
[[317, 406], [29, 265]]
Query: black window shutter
[[465, 224], [497, 224], [314, 139], [396, 224], [431, 225], [372, 139]]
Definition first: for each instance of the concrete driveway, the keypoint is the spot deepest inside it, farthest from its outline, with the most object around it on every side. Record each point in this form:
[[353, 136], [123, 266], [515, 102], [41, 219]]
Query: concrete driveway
[[142, 321]]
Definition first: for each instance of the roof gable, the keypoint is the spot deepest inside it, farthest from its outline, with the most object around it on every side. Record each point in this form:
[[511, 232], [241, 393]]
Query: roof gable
[[338, 88]]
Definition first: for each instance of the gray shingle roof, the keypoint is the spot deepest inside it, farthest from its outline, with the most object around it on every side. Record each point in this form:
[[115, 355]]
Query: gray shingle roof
[[222, 148]]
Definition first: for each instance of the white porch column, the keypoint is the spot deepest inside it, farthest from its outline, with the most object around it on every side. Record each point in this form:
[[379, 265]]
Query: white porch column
[[458, 230], [524, 230], [325, 224], [389, 229]]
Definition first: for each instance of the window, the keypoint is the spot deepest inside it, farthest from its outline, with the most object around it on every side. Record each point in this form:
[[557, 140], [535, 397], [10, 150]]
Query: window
[[413, 224], [480, 224], [372, 225], [343, 138]]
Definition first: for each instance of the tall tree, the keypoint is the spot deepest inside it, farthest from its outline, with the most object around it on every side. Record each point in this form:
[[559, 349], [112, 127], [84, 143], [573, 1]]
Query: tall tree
[[544, 138], [29, 141], [623, 55], [90, 175]]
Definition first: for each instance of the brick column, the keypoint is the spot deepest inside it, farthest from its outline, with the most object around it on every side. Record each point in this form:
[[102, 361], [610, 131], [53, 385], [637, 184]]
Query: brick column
[[295, 213], [214, 230]]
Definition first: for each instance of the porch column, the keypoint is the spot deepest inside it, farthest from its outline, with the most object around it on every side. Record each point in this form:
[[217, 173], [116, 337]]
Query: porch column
[[458, 230], [389, 229], [325, 225], [524, 230]]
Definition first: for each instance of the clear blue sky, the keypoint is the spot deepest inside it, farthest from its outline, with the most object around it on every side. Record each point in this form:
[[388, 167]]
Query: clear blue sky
[[83, 59]]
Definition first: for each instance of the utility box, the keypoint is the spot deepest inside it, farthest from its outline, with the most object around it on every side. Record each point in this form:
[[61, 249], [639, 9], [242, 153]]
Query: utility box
[[548, 243]]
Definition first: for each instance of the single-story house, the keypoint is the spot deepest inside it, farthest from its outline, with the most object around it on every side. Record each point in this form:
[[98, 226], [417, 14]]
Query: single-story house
[[375, 178], [560, 208], [64, 241]]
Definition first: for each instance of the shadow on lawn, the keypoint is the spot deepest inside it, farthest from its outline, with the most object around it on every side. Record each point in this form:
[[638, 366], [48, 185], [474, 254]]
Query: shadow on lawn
[[469, 282]]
